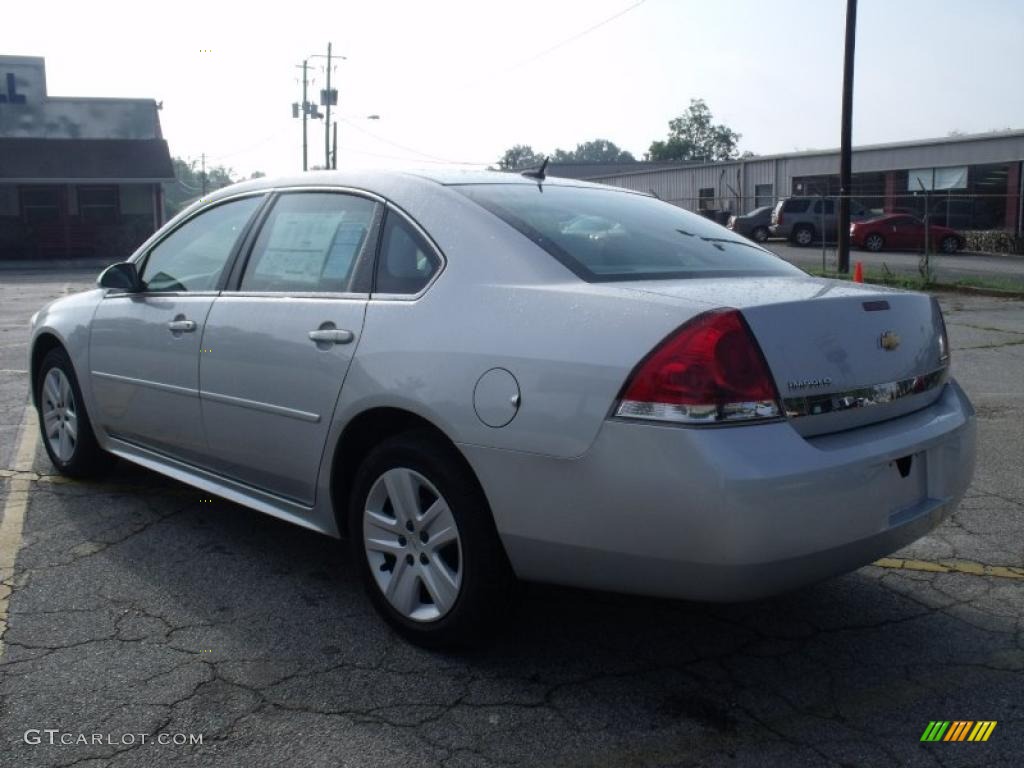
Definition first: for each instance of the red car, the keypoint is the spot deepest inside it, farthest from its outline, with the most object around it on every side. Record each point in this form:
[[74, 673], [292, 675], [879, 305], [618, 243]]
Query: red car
[[899, 231]]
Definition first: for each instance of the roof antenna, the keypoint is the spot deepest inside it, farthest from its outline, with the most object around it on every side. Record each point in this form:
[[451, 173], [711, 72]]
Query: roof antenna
[[539, 173]]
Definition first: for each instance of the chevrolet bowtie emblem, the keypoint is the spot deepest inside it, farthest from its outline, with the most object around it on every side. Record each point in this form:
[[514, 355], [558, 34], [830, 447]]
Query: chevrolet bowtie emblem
[[889, 341]]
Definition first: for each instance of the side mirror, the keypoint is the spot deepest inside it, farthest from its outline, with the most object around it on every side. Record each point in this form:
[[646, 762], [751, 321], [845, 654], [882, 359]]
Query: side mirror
[[121, 277]]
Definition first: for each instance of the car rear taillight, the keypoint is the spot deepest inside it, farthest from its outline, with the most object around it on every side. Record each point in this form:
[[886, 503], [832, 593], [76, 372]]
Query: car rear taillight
[[708, 371], [943, 335], [778, 217]]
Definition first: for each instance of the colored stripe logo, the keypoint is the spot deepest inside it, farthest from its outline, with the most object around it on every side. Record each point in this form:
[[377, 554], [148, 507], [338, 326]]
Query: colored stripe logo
[[958, 730]]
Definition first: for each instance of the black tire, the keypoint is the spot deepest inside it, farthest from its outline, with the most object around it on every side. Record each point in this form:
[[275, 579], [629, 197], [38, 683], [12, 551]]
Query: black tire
[[86, 459], [486, 577], [759, 235], [874, 242], [803, 235], [950, 244]]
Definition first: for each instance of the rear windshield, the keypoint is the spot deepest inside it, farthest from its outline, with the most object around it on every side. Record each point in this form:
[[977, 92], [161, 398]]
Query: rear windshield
[[606, 235]]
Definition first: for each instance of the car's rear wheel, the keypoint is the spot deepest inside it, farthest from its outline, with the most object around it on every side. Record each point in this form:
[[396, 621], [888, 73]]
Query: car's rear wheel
[[950, 244], [803, 235], [874, 242], [67, 432], [425, 544], [759, 235]]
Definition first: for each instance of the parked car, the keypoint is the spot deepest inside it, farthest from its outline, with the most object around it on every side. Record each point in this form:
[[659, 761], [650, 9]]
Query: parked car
[[955, 213], [753, 225], [899, 231], [801, 219], [476, 376]]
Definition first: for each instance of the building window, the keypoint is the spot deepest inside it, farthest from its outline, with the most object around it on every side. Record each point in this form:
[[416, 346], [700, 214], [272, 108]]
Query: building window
[[706, 198], [98, 205], [763, 195], [40, 205]]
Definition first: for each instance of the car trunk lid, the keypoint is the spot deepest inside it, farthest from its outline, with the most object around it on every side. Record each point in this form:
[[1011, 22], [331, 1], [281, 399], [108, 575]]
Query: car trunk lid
[[841, 355]]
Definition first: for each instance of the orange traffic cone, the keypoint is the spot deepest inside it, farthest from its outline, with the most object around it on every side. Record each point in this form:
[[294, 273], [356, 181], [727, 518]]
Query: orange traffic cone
[[858, 272]]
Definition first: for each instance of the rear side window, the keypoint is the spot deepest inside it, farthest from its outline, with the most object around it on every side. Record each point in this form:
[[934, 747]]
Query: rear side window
[[407, 262], [829, 207], [794, 205], [310, 242], [608, 235]]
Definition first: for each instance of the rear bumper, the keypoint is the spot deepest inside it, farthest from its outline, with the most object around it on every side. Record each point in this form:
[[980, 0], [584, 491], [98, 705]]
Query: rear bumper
[[729, 513]]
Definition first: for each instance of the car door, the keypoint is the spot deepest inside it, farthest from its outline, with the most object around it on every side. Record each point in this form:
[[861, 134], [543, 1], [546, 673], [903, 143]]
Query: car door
[[905, 232], [144, 347], [277, 347]]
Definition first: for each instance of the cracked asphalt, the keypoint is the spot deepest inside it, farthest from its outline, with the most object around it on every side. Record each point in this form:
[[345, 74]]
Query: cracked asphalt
[[138, 606]]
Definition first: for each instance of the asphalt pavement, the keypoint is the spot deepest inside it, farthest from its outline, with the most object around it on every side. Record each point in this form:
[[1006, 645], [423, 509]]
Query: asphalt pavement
[[141, 611]]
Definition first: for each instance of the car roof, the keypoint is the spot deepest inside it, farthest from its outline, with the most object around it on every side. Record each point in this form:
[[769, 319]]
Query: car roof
[[382, 181]]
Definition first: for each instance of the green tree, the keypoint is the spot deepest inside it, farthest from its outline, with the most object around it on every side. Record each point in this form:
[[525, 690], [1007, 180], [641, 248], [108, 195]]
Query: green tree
[[188, 183], [596, 151], [519, 156], [693, 136]]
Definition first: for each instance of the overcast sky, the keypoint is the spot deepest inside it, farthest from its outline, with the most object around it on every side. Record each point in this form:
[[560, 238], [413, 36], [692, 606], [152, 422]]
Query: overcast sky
[[461, 80]]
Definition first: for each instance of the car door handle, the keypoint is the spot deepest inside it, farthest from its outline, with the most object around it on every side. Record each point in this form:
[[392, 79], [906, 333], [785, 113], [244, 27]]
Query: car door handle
[[176, 326], [331, 336]]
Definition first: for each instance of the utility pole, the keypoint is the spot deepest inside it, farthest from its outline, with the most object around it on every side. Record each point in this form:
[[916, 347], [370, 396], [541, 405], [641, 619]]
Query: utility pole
[[843, 219], [327, 122], [305, 114], [204, 173], [334, 152]]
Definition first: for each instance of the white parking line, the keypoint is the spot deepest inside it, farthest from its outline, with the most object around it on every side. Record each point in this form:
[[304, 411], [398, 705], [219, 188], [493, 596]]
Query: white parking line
[[14, 513]]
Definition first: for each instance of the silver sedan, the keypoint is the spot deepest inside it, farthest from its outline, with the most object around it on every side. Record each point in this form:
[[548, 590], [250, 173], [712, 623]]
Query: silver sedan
[[475, 377]]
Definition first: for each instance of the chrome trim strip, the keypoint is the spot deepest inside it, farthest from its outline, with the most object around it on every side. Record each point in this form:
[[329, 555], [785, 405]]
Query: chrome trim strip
[[173, 388], [256, 405], [863, 397], [241, 493]]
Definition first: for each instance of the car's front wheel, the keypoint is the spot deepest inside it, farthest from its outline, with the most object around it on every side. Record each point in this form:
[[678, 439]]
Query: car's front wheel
[[874, 242], [424, 541], [67, 432]]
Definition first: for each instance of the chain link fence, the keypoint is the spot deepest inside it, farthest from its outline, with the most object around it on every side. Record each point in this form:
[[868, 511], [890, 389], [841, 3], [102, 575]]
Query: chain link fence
[[982, 222]]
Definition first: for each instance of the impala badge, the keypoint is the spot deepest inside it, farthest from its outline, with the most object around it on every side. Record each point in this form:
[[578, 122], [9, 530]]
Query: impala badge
[[889, 341]]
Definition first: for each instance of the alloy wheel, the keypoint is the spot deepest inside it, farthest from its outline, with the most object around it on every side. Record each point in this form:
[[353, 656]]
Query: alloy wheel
[[412, 545], [60, 415], [804, 236], [873, 242]]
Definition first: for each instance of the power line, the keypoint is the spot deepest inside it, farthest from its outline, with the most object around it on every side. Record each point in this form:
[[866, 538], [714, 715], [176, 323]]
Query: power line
[[434, 158], [556, 46]]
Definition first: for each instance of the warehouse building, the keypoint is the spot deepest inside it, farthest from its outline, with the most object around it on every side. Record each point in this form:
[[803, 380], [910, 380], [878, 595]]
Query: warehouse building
[[969, 182], [78, 176]]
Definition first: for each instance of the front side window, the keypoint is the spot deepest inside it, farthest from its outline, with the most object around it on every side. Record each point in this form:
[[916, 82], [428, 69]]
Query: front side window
[[310, 242], [407, 262], [608, 234], [192, 257]]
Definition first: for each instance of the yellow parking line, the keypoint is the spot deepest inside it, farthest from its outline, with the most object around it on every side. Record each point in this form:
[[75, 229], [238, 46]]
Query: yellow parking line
[[14, 512], [952, 566]]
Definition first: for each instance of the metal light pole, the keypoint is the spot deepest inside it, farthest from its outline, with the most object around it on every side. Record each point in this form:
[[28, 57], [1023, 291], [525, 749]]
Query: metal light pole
[[843, 218]]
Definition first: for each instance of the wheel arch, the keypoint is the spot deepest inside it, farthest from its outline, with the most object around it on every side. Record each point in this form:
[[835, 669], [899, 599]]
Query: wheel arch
[[367, 430], [42, 345]]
